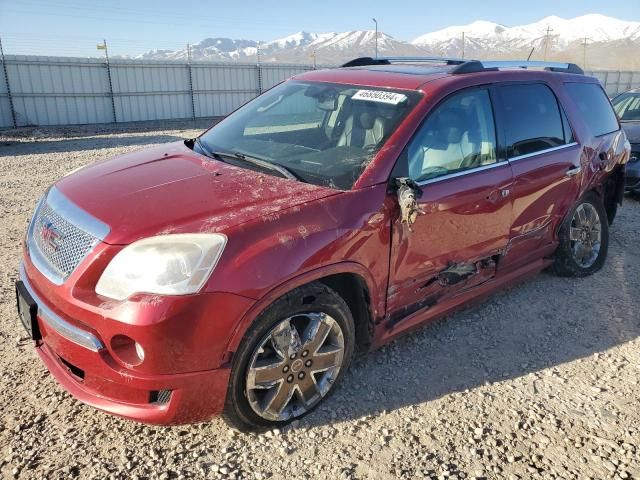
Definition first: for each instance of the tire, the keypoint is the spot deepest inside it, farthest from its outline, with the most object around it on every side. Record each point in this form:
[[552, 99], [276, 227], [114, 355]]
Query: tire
[[580, 254], [261, 374], [612, 211]]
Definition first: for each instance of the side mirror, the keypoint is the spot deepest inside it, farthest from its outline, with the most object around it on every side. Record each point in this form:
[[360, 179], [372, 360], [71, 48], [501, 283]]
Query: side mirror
[[408, 191]]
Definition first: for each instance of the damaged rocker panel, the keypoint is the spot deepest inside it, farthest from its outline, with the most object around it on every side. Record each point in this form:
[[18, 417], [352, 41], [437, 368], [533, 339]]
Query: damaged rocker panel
[[441, 286]]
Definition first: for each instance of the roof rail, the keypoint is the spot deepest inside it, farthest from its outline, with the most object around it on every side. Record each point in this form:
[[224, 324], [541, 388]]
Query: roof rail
[[473, 66], [364, 61], [468, 66]]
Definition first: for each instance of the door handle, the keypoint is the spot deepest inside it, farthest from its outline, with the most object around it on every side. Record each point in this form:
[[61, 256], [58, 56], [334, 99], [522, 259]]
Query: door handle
[[496, 195], [573, 171]]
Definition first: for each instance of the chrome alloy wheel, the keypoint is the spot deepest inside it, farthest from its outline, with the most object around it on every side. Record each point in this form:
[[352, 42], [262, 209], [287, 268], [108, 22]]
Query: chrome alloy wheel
[[294, 366], [585, 235]]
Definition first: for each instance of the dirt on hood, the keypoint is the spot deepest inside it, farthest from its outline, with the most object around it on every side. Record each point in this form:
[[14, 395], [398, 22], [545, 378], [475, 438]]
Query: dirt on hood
[[170, 189]]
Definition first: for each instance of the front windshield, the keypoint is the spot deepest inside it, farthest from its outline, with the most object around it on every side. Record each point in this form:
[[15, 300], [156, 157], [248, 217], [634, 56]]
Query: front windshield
[[325, 134], [627, 106]]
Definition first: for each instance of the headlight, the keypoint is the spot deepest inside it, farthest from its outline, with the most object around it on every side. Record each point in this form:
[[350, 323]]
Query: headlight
[[167, 265]]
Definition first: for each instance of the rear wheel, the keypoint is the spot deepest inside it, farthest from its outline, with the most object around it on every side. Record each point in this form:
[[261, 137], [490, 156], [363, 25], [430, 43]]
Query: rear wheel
[[584, 239], [291, 359]]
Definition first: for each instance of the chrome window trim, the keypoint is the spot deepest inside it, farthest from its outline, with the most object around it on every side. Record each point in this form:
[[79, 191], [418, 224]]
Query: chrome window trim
[[463, 172], [542, 152], [70, 332]]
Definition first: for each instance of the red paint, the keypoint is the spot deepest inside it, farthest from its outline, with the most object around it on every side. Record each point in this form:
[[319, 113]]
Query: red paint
[[283, 234]]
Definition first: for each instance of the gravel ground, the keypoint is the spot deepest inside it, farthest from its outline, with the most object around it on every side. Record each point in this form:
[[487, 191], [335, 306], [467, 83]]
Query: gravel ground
[[540, 381]]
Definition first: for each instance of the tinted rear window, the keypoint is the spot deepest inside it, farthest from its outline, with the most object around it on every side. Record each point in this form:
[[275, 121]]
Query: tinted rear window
[[531, 117], [594, 106]]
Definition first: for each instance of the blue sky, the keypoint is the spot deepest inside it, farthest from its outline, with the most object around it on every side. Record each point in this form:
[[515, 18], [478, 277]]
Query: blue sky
[[73, 27]]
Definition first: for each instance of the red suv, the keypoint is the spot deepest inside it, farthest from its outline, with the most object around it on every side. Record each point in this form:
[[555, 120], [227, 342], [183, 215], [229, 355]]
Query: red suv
[[238, 272]]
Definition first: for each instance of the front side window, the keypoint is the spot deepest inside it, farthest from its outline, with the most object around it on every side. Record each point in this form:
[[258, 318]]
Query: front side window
[[458, 135], [531, 118], [627, 106], [323, 133], [594, 107]]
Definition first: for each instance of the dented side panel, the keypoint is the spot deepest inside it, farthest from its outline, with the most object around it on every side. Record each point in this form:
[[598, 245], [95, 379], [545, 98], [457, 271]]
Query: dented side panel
[[464, 220], [351, 229]]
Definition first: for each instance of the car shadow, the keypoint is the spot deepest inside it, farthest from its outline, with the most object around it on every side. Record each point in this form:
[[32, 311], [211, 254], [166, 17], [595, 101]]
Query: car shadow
[[514, 333]]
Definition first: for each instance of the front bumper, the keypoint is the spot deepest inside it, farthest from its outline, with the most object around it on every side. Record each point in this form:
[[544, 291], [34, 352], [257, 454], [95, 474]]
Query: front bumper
[[190, 397], [180, 379]]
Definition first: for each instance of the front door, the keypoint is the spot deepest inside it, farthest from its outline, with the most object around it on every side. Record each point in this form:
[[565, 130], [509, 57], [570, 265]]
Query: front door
[[466, 206]]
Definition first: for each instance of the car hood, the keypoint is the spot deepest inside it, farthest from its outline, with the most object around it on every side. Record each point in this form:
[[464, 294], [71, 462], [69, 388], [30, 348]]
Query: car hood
[[172, 189], [632, 129]]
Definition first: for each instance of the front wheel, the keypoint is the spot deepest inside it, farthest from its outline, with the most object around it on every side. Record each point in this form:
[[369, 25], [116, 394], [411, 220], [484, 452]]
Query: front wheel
[[290, 359], [584, 239]]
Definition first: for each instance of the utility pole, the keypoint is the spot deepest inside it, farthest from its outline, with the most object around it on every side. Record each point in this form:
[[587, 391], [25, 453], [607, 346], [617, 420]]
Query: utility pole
[[193, 103], [376, 22], [103, 46], [462, 44], [6, 82], [584, 53], [546, 43], [313, 55], [259, 68]]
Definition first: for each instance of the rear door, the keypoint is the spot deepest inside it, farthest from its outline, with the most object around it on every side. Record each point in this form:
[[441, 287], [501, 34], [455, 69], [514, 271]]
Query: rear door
[[545, 161], [467, 210]]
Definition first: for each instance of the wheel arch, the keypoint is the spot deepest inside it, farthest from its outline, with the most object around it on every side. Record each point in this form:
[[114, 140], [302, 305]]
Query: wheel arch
[[352, 281]]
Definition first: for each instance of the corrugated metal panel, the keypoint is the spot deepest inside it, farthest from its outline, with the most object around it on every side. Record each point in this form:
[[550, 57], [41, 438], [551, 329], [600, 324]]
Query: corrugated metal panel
[[58, 91], [220, 88], [221, 103], [66, 91], [150, 91], [274, 74], [5, 109], [616, 82]]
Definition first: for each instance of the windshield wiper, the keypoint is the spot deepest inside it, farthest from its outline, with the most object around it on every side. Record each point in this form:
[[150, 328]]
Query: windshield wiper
[[259, 162], [204, 148]]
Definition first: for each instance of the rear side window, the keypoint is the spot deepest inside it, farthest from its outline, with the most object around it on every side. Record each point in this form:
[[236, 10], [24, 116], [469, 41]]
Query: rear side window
[[532, 119], [594, 106]]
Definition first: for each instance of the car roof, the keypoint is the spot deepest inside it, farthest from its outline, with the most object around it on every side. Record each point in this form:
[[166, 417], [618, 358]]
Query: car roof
[[402, 76], [410, 76]]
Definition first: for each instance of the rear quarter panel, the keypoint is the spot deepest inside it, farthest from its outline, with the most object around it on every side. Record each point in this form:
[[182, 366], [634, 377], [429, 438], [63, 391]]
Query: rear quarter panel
[[595, 168]]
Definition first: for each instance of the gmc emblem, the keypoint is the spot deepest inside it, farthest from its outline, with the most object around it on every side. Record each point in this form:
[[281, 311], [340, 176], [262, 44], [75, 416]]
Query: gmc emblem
[[51, 236]]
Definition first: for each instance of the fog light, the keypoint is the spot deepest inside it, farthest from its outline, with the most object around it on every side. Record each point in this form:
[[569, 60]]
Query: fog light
[[127, 350]]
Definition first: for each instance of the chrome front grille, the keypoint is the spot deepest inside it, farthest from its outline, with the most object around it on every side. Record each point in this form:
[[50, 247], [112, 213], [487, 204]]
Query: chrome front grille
[[61, 235]]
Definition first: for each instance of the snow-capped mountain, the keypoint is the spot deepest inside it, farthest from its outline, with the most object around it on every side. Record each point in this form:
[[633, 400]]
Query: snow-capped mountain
[[483, 38], [300, 47], [611, 43]]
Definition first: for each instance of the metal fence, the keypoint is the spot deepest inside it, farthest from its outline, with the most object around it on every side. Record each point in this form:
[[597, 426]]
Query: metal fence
[[68, 91], [616, 81]]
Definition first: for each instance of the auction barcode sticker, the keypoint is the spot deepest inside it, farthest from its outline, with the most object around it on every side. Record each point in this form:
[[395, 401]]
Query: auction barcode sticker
[[381, 96]]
